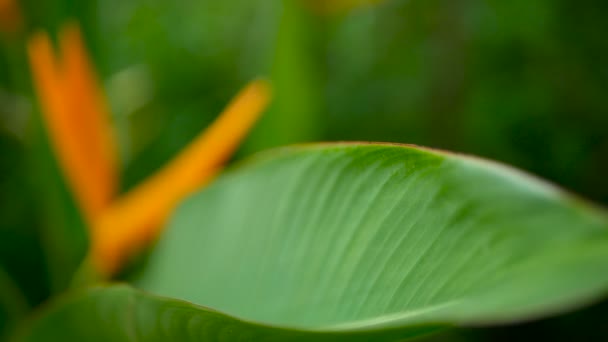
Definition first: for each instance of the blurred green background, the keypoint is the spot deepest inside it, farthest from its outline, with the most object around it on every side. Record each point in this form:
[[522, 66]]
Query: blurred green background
[[519, 81]]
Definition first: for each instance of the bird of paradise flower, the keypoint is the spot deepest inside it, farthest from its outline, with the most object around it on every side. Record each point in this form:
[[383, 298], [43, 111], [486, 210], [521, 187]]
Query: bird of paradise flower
[[78, 124]]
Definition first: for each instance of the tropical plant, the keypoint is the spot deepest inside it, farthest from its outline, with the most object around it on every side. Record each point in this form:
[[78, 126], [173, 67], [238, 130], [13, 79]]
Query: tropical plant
[[347, 241]]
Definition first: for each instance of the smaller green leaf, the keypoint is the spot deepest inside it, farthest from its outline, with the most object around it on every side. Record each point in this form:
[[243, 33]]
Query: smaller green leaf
[[120, 313]]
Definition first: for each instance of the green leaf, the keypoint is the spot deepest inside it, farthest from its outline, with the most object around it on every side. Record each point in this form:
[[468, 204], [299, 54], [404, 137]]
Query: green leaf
[[295, 113], [120, 313], [13, 305], [351, 241], [63, 233]]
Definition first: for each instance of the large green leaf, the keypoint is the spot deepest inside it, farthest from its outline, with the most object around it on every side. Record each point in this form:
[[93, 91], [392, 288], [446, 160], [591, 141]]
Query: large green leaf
[[351, 240]]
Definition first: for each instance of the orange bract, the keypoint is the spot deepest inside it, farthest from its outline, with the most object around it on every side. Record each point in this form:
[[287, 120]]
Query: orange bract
[[78, 125], [76, 119], [91, 117]]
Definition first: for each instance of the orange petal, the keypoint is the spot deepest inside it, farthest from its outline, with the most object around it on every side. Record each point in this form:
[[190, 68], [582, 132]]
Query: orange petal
[[76, 119], [89, 114], [138, 217], [50, 87]]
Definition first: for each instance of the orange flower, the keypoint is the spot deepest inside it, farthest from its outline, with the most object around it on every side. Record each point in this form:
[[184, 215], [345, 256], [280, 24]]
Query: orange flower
[[79, 127]]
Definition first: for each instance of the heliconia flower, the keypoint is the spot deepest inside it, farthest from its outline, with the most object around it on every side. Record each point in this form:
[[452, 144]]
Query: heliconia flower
[[10, 16], [78, 124]]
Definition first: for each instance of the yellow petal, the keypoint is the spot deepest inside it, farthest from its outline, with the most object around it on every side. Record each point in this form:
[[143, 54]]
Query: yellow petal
[[138, 217]]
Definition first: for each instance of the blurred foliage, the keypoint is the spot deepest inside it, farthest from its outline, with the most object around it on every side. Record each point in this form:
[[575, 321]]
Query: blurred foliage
[[518, 81]]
